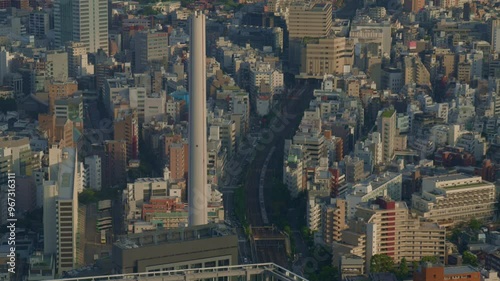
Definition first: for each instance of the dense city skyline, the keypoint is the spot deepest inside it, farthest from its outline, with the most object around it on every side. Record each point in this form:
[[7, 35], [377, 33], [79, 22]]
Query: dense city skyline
[[251, 139]]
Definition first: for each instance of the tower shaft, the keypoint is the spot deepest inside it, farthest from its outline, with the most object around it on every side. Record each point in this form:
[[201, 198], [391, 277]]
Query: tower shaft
[[197, 182]]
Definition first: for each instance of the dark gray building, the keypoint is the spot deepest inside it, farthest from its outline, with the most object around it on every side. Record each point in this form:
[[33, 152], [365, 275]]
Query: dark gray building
[[182, 248]]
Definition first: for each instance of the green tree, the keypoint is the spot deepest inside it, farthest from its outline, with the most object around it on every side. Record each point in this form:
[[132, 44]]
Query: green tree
[[455, 234], [475, 224], [149, 11], [305, 231], [328, 273], [403, 270], [287, 230], [469, 258], [381, 263], [431, 259], [414, 264], [87, 196]]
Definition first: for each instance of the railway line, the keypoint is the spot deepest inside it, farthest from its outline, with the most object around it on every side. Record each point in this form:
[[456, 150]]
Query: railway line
[[266, 165]]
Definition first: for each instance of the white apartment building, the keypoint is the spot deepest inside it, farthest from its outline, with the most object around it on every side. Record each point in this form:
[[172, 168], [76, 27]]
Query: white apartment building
[[263, 105], [240, 105], [450, 199], [476, 60], [293, 167], [15, 153], [60, 208], [225, 130], [142, 190], [473, 143], [173, 109], [439, 134], [78, 63], [93, 172], [387, 184], [264, 71], [57, 65], [440, 109], [155, 107], [495, 35]]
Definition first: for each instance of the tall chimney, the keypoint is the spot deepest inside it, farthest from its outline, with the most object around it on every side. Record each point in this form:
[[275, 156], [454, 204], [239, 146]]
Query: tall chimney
[[197, 182]]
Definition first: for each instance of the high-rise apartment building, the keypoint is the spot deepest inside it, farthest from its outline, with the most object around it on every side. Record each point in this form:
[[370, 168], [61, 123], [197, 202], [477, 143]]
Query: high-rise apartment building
[[78, 62], [126, 127], [93, 172], [150, 46], [386, 126], [387, 227], [16, 155], [38, 24], [60, 208], [309, 20], [56, 65], [415, 71], [495, 36], [334, 220], [5, 58], [90, 24], [455, 198], [115, 168], [63, 24], [82, 21], [354, 167], [179, 160]]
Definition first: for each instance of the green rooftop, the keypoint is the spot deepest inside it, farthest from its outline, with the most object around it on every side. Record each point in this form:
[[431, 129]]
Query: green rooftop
[[388, 113], [292, 158]]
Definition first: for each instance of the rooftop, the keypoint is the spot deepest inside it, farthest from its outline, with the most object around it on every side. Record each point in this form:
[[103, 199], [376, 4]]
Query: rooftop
[[388, 113], [454, 270], [263, 269], [67, 174], [173, 236]]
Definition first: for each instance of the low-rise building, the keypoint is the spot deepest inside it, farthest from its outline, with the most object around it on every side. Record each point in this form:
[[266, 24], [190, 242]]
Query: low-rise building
[[182, 248]]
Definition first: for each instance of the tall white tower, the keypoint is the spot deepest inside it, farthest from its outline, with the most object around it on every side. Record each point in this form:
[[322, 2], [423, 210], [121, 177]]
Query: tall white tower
[[197, 185]]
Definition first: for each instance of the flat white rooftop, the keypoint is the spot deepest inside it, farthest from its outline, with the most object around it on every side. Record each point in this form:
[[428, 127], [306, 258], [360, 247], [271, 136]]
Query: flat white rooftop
[[246, 271]]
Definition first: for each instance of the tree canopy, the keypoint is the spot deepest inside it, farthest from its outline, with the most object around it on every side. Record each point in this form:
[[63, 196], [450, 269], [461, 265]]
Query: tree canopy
[[470, 258], [381, 263], [475, 224], [403, 270], [431, 259]]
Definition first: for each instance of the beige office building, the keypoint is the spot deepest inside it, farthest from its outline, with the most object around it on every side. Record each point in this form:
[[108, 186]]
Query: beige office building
[[415, 71], [150, 46], [309, 20], [450, 199], [326, 56]]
